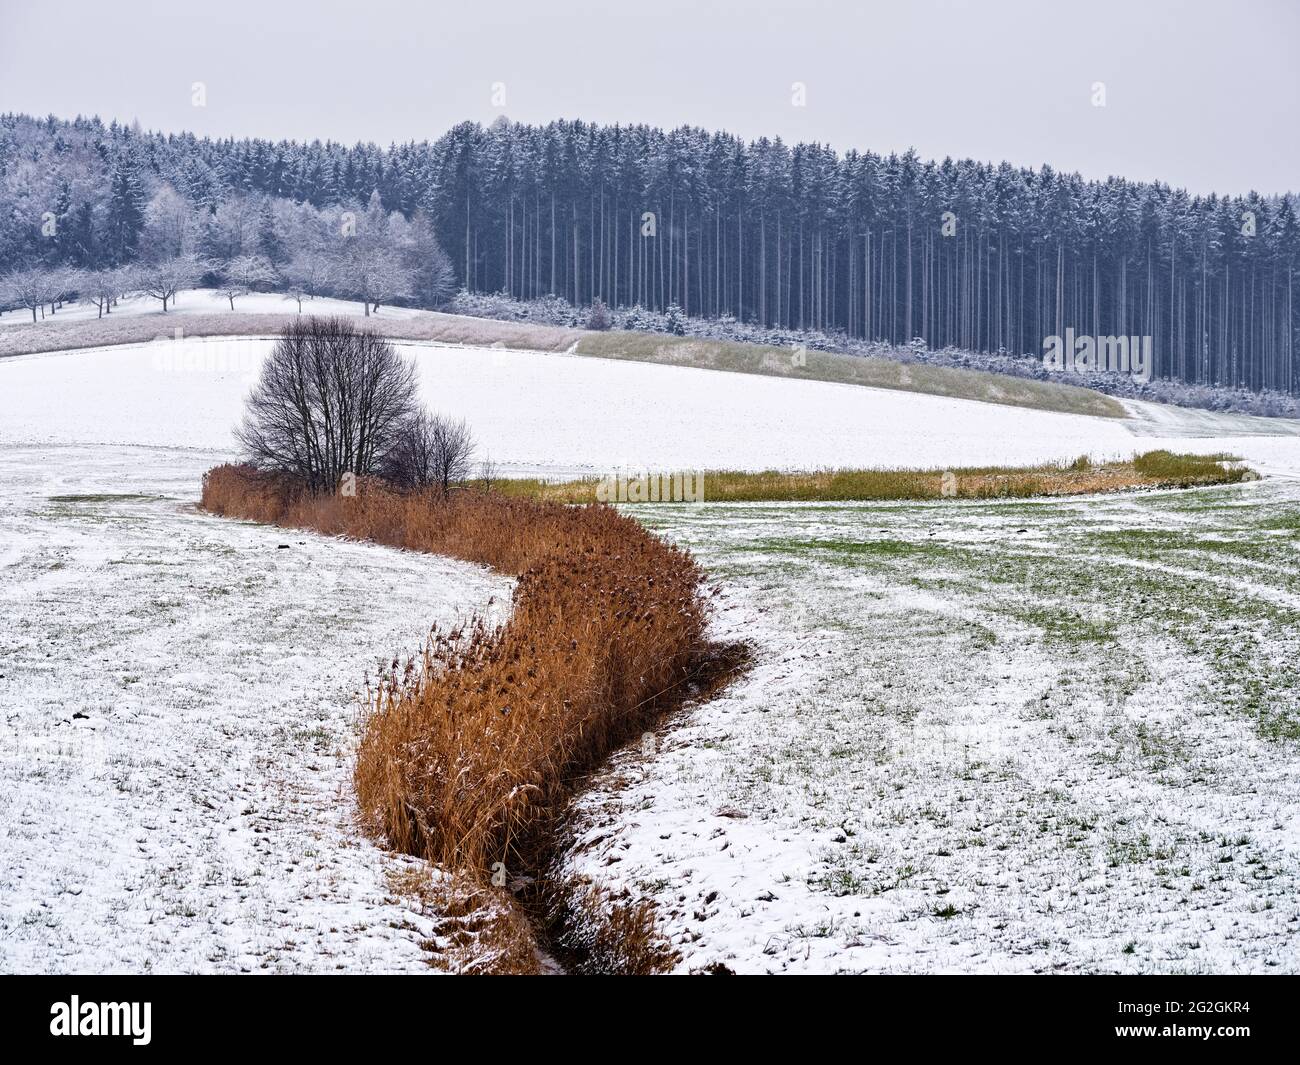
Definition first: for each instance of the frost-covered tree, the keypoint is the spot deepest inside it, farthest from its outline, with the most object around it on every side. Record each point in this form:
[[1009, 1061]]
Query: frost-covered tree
[[244, 274], [764, 235], [104, 288], [172, 226], [164, 279], [433, 279], [306, 275], [62, 283], [124, 212], [372, 273], [232, 230], [26, 288], [599, 317]]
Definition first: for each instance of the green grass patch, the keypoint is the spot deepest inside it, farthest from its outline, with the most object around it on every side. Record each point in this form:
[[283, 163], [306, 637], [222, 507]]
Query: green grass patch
[[1171, 467]]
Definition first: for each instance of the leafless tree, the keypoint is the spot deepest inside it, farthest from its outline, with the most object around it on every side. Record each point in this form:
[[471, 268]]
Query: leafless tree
[[163, 279], [430, 451], [103, 288], [307, 274], [488, 474], [171, 226], [369, 272], [232, 230], [23, 288], [62, 283], [331, 400], [38, 288], [243, 274]]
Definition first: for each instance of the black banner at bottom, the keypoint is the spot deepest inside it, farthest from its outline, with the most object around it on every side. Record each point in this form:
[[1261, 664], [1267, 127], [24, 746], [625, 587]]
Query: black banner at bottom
[[139, 1014]]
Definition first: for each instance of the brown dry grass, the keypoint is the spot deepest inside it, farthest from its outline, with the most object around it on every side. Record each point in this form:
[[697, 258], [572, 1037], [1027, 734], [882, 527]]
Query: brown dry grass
[[468, 755], [871, 371], [478, 930], [601, 934]]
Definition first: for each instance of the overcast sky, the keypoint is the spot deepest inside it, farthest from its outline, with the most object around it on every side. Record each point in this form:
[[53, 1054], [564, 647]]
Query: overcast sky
[[1201, 94]]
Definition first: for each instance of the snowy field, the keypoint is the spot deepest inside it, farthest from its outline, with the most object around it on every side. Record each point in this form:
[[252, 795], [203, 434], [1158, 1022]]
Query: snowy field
[[1022, 736], [177, 710], [205, 301], [538, 413]]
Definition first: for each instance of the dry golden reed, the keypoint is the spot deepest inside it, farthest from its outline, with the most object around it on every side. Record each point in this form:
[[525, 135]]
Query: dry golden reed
[[468, 755], [1154, 469]]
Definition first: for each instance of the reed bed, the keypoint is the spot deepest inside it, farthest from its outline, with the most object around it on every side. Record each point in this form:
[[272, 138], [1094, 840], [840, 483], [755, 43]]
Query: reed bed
[[1154, 469], [469, 750]]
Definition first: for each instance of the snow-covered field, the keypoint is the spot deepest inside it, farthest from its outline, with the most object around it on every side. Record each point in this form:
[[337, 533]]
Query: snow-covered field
[[1005, 736], [205, 301], [1021, 737], [547, 413], [177, 707]]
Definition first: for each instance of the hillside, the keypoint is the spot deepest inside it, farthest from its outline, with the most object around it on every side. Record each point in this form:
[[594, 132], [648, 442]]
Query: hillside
[[201, 313]]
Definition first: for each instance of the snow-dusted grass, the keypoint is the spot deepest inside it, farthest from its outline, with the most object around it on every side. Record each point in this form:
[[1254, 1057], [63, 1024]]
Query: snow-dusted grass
[[1047, 736], [867, 370], [177, 716]]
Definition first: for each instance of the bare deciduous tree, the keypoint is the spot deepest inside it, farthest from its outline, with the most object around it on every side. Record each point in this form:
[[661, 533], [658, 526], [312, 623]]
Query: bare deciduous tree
[[369, 272], [307, 274], [103, 288], [430, 451], [245, 273], [330, 400], [163, 279], [39, 288], [171, 226], [26, 288], [488, 474], [63, 282]]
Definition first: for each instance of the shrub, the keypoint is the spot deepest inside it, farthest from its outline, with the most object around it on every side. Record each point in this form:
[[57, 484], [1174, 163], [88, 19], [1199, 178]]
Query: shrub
[[599, 317], [429, 451]]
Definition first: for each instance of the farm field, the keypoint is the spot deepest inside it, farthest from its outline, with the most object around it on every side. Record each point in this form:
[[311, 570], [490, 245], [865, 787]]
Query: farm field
[[207, 313], [177, 712], [976, 736], [1018, 737], [189, 393], [474, 502]]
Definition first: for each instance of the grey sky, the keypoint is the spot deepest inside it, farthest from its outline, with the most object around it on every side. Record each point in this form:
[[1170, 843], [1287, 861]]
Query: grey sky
[[1201, 94]]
